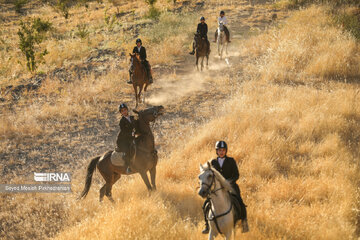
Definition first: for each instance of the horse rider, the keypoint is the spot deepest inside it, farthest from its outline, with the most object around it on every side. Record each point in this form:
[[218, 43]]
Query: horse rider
[[126, 135], [140, 49], [201, 30], [229, 170], [222, 19]]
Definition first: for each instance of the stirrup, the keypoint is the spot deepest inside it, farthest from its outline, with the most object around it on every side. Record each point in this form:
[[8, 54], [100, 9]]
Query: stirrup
[[128, 170]]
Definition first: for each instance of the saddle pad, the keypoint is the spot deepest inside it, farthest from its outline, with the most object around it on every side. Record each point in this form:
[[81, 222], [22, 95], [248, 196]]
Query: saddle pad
[[236, 206], [117, 159]]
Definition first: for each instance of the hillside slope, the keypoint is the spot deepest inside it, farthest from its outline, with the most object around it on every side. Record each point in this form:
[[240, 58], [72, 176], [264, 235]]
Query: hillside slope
[[290, 123]]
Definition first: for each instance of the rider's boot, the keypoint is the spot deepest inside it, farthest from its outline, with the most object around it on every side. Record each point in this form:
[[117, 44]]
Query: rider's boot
[[150, 78], [126, 158], [149, 75], [130, 78], [206, 229], [193, 51], [244, 225]]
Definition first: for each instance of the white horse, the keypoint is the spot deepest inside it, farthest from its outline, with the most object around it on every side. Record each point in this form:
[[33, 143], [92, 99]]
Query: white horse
[[221, 215], [221, 40]]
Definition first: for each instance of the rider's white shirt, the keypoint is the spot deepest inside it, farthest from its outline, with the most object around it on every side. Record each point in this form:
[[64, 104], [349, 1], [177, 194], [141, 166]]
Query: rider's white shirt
[[128, 118], [223, 20], [139, 48], [221, 161]]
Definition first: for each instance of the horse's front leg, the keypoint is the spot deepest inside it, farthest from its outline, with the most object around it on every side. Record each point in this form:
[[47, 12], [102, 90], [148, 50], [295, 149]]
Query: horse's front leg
[[228, 235], [153, 176], [136, 95], [139, 95], [211, 235], [146, 180], [207, 61], [202, 63], [197, 61]]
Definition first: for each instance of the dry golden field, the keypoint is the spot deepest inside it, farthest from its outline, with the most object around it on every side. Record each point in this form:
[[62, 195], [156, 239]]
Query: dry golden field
[[288, 105]]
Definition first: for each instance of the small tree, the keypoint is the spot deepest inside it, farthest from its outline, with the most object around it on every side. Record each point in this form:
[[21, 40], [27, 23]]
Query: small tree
[[109, 20], [153, 12], [19, 4], [31, 34]]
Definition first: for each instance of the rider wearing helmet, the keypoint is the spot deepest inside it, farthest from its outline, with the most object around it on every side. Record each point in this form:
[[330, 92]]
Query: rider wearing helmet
[[201, 30], [223, 19], [229, 170], [126, 134], [142, 52]]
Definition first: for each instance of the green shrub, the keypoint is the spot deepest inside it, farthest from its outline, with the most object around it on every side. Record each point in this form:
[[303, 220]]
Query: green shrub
[[151, 2], [63, 7], [350, 23], [109, 20], [82, 31], [153, 13], [31, 34]]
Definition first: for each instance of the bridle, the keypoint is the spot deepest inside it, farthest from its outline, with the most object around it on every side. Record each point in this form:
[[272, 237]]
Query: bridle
[[210, 191], [213, 191]]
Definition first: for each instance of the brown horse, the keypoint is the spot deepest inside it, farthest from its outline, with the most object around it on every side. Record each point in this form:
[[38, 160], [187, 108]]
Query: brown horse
[[202, 50], [144, 160], [139, 76]]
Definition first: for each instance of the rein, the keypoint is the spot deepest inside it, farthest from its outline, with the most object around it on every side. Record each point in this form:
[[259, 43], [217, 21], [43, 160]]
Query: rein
[[210, 192]]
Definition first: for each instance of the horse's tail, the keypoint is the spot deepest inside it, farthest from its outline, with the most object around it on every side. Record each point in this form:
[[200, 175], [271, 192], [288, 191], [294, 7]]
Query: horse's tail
[[90, 170]]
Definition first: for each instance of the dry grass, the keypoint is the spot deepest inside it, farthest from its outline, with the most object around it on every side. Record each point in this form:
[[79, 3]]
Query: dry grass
[[297, 146], [307, 48]]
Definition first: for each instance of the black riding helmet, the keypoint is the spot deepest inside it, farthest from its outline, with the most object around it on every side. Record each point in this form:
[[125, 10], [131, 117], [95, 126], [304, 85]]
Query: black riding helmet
[[123, 105], [222, 12], [221, 144], [202, 18], [138, 40]]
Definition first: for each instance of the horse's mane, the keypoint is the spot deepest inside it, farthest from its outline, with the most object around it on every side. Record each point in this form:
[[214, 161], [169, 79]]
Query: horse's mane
[[225, 183]]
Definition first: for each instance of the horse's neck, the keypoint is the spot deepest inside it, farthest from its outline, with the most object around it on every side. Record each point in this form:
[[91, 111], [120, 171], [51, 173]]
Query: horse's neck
[[220, 200], [137, 66], [147, 138]]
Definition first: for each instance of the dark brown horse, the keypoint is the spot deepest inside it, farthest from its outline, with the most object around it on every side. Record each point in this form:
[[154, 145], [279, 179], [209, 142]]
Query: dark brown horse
[[202, 51], [139, 77], [145, 158]]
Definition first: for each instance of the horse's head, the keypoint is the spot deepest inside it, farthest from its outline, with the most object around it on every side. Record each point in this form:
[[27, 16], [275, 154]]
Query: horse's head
[[221, 26], [134, 57], [207, 179], [211, 181], [150, 114]]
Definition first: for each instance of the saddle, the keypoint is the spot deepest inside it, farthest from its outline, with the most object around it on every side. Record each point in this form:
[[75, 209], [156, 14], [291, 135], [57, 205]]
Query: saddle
[[117, 158]]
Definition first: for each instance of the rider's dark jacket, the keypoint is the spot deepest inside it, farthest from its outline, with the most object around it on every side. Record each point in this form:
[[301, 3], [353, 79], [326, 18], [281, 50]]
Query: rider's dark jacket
[[229, 170], [125, 135], [142, 52], [202, 29]]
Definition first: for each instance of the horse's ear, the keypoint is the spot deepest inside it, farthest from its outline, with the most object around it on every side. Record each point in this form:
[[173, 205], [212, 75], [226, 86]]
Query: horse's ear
[[130, 54], [135, 111], [201, 167], [208, 164]]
